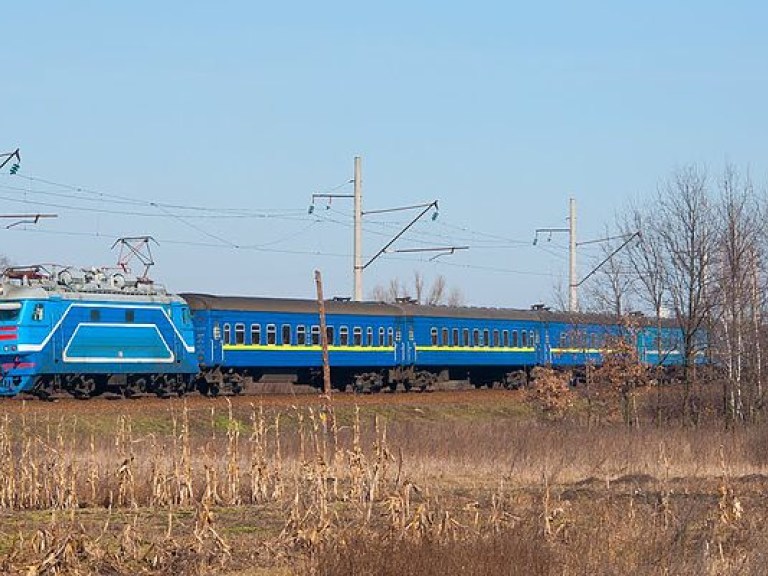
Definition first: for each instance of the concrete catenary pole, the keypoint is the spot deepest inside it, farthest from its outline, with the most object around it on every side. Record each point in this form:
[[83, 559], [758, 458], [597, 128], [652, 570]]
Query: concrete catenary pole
[[358, 251], [573, 299]]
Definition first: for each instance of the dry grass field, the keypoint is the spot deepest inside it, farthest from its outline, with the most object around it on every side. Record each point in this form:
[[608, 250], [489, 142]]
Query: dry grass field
[[475, 482]]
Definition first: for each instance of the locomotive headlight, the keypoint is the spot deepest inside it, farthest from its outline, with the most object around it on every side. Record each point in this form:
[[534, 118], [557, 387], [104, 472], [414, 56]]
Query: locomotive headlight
[[13, 347]]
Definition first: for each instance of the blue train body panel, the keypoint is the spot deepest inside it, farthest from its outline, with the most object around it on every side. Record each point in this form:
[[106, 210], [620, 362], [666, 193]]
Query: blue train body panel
[[261, 335], [447, 342], [281, 339]]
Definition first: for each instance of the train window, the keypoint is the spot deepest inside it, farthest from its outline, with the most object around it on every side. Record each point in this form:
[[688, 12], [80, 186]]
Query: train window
[[476, 338], [410, 333], [227, 330], [96, 316], [271, 334], [455, 337], [496, 341], [315, 331], [524, 338], [445, 341], [433, 335], [186, 315], [465, 337], [381, 336], [530, 337], [369, 337], [8, 315], [256, 334], [563, 340], [301, 335], [390, 337], [535, 338], [486, 337], [130, 315], [505, 338], [286, 329], [239, 333], [357, 336], [343, 336], [329, 335], [514, 339], [398, 335], [38, 312]]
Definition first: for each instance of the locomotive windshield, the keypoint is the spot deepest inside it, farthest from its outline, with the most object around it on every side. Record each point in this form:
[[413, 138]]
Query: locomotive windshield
[[9, 311]]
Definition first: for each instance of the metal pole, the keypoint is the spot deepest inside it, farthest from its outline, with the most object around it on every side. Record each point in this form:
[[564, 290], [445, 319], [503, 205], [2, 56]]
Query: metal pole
[[358, 265], [573, 299], [323, 335]]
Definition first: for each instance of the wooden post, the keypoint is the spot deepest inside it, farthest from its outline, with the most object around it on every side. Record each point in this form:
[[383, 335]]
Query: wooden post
[[323, 335]]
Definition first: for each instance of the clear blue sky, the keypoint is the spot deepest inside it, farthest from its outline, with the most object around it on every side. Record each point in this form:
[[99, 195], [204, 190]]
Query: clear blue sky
[[501, 110]]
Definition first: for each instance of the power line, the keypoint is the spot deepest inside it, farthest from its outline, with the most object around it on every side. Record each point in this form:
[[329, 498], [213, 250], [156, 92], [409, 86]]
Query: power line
[[165, 210], [213, 212], [261, 248], [427, 237], [120, 199], [159, 206], [198, 228]]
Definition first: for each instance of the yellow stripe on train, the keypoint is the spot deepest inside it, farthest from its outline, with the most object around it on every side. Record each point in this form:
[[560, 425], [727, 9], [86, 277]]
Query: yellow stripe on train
[[300, 348], [470, 349]]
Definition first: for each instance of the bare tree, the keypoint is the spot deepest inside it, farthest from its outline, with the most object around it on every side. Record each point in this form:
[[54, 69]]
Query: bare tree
[[609, 291], [435, 294], [645, 258], [418, 285], [379, 294], [686, 228], [437, 291], [455, 297], [739, 304], [391, 292], [559, 295]]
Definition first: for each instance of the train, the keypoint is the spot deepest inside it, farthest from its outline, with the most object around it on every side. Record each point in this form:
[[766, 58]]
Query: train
[[90, 332]]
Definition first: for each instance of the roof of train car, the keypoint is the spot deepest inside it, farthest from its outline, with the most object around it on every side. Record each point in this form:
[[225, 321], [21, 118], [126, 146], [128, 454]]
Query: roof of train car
[[518, 314], [260, 304]]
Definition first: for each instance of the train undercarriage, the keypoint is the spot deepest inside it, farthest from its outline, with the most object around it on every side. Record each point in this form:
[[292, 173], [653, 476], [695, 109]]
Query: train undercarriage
[[218, 381], [84, 386]]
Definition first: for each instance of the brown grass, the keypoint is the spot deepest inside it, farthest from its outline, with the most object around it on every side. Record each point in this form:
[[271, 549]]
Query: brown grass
[[467, 486]]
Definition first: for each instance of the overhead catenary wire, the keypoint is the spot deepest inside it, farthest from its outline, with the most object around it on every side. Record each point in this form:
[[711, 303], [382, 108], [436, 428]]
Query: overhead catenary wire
[[261, 248], [96, 195], [194, 212], [86, 194], [213, 215]]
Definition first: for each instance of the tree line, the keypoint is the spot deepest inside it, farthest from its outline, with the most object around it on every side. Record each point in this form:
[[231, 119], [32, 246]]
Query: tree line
[[700, 258]]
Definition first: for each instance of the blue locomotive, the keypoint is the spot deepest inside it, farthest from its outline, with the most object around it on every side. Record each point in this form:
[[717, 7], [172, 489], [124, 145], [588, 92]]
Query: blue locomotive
[[86, 333], [375, 345]]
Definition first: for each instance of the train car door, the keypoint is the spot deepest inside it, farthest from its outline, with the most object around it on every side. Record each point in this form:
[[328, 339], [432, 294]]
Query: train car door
[[217, 342], [41, 326], [543, 346], [405, 346]]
